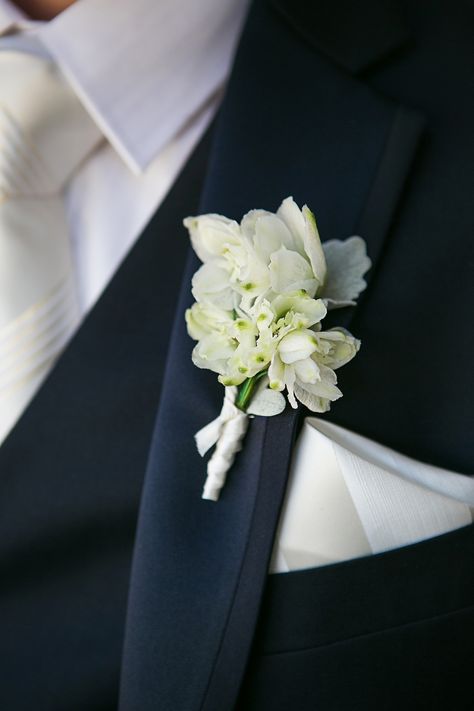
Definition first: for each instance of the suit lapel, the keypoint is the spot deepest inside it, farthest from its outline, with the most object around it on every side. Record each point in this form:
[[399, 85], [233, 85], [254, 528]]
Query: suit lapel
[[354, 35], [291, 123]]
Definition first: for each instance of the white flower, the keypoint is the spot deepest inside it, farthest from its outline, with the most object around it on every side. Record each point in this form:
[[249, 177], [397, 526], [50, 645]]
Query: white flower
[[288, 242], [203, 319], [253, 354], [262, 293], [302, 225], [289, 271], [336, 347], [211, 235], [297, 345], [213, 352], [211, 284], [248, 274], [304, 311], [304, 364], [268, 253]]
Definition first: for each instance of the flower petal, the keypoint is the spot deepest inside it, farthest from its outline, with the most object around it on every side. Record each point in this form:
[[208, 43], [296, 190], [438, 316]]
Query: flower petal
[[289, 271], [290, 379], [312, 246], [307, 371], [276, 373], [215, 347], [312, 402], [254, 278], [213, 353], [337, 347], [293, 218], [249, 222], [211, 283], [211, 234], [204, 318], [263, 315], [297, 345], [312, 310], [326, 386], [271, 233]]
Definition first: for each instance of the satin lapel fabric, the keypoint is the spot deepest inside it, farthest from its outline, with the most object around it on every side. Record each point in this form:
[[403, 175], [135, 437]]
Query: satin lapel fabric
[[199, 567]]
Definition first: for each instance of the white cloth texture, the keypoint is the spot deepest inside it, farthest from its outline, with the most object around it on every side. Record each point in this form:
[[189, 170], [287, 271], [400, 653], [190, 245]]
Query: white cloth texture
[[349, 496], [45, 133]]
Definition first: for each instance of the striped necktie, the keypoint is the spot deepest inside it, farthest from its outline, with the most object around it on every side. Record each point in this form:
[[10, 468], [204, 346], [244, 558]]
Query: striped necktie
[[45, 133]]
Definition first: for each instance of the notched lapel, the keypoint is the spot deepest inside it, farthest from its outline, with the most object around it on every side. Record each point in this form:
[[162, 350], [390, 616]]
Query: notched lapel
[[355, 35]]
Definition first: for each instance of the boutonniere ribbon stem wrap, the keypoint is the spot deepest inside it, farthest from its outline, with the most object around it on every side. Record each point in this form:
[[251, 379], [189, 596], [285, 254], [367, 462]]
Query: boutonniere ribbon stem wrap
[[262, 293]]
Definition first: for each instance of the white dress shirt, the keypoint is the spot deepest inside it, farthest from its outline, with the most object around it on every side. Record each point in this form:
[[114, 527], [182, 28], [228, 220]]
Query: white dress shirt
[[150, 73]]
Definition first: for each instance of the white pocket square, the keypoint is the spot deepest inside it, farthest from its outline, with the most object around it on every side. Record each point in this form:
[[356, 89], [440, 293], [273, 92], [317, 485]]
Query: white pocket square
[[349, 496]]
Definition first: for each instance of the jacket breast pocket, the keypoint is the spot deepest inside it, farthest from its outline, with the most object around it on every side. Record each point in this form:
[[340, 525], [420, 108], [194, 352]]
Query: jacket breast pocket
[[388, 631]]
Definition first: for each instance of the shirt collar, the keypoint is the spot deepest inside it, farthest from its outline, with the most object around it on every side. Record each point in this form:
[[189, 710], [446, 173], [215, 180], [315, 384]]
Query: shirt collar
[[141, 68], [11, 17]]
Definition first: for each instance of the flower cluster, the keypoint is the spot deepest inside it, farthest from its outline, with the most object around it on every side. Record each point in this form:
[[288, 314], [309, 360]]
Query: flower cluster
[[262, 292]]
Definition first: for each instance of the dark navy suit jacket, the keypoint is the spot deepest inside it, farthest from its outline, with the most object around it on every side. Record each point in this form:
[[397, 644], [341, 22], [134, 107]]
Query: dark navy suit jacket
[[119, 586]]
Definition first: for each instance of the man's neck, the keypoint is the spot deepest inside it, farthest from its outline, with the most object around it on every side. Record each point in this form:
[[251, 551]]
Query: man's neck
[[43, 9]]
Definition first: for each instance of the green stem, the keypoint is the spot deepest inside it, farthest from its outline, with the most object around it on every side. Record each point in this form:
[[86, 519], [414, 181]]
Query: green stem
[[246, 391]]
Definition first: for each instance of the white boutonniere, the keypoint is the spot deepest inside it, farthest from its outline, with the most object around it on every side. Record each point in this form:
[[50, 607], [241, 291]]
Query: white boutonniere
[[262, 293]]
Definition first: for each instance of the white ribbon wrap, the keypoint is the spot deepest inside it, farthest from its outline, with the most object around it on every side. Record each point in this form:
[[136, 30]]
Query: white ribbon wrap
[[226, 432]]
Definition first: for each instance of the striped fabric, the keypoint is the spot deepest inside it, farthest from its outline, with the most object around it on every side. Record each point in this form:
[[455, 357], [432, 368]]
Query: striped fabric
[[44, 135]]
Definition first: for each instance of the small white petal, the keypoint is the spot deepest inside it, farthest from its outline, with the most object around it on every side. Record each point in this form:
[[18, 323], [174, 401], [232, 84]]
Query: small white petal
[[326, 386], [312, 402], [290, 379], [249, 222], [289, 271], [211, 234], [253, 279], [337, 346], [297, 345], [202, 358], [271, 233], [263, 315], [313, 310], [231, 379], [244, 331], [307, 371], [292, 216], [215, 347], [205, 318], [312, 245], [211, 283], [276, 373]]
